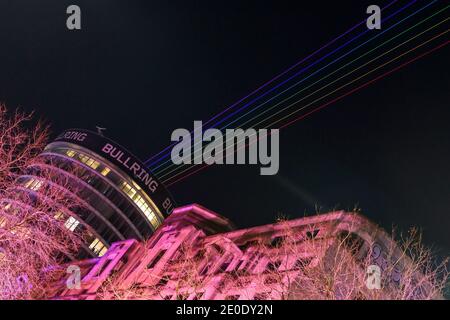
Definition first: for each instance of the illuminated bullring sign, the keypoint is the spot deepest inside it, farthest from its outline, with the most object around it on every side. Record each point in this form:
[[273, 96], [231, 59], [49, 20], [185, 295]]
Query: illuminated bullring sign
[[125, 161]]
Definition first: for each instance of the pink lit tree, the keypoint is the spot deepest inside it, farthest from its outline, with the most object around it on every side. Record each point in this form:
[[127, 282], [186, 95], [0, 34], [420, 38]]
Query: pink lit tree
[[183, 278], [33, 237], [303, 265], [340, 267]]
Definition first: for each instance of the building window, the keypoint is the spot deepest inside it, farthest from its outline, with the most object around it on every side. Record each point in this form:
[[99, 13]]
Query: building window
[[84, 159], [132, 193], [98, 247], [94, 164], [156, 259], [273, 266], [253, 262], [276, 242], [182, 296], [224, 266], [249, 244], [197, 296], [270, 280], [71, 223], [71, 153], [89, 161], [352, 241], [163, 281], [33, 184], [105, 171], [59, 215], [129, 190], [302, 263], [205, 270], [312, 234]]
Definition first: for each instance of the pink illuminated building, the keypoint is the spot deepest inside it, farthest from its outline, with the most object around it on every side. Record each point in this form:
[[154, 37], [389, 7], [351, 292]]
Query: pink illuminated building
[[197, 254], [137, 244]]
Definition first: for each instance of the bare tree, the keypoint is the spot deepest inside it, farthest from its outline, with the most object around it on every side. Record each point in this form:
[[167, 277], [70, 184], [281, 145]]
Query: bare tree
[[182, 278], [284, 261], [341, 267], [300, 263], [34, 238], [20, 141]]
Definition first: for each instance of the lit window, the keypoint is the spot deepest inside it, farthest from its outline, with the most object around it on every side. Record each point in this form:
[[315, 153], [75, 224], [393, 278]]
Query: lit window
[[129, 190], [135, 185], [105, 171], [59, 215], [70, 153], [98, 247], [33, 184], [71, 223], [89, 161], [141, 203], [102, 251]]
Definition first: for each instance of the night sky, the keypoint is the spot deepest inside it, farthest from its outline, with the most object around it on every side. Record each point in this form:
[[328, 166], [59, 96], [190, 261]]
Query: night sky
[[144, 68]]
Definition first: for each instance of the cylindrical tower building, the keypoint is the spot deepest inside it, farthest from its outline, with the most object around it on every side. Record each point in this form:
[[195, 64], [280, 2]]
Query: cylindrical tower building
[[121, 198]]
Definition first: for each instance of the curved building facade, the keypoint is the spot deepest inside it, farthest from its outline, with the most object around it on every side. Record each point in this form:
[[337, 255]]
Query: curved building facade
[[119, 197]]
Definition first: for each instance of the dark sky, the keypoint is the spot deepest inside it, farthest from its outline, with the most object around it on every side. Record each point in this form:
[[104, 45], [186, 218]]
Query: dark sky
[[144, 68]]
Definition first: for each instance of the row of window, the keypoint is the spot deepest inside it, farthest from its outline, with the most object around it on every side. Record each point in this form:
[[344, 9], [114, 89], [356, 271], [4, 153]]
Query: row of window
[[120, 200], [97, 246], [117, 198], [141, 203], [71, 224], [94, 164], [130, 191], [33, 184]]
